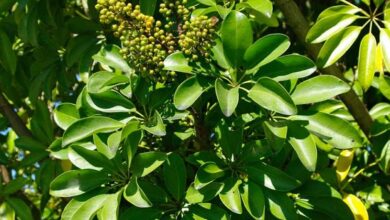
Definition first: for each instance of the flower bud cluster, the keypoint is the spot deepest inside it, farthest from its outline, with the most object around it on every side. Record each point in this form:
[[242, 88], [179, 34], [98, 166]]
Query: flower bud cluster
[[147, 41]]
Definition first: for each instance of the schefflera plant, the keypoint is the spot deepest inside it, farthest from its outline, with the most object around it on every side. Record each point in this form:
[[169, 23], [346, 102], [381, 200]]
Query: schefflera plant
[[256, 73]]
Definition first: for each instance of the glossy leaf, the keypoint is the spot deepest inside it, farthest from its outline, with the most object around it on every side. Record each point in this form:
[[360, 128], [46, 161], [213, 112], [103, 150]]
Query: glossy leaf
[[287, 68], [76, 182], [366, 61], [271, 177], [219, 55], [20, 207], [204, 194], [328, 27], [337, 46], [175, 176], [300, 139], [110, 209], [270, 95], [280, 205], [135, 195], [65, 115], [110, 55], [87, 126], [385, 42], [318, 89], [109, 102], [187, 93], [338, 9], [237, 36], [337, 132], [103, 81], [230, 195], [83, 207], [177, 62], [253, 198], [206, 174], [145, 163], [205, 211], [385, 158], [227, 96], [230, 139], [265, 50], [155, 125]]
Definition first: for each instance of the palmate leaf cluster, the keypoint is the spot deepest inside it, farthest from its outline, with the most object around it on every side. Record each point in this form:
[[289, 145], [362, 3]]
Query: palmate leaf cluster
[[253, 130]]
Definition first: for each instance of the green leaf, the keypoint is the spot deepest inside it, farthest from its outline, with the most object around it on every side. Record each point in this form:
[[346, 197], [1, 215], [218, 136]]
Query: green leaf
[[337, 46], [145, 163], [270, 95], [177, 62], [335, 131], [366, 61], [385, 158], [133, 139], [380, 110], [103, 81], [303, 144], [385, 42], [155, 125], [86, 127], [205, 211], [175, 176], [253, 198], [187, 93], [148, 6], [318, 89], [218, 54], [206, 174], [367, 2], [135, 195], [8, 57], [20, 207], [84, 206], [338, 9], [88, 159], [271, 177], [275, 133], [30, 144], [77, 47], [230, 139], [328, 205], [287, 68], [134, 212], [328, 27], [230, 195], [237, 36], [76, 182], [227, 96], [14, 185], [110, 209], [384, 85], [264, 7], [110, 55], [265, 50], [6, 211], [204, 194], [207, 2], [109, 102], [65, 115], [280, 205]]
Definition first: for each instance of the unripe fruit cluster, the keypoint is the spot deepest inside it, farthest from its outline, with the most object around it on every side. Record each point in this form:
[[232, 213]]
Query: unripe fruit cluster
[[146, 42]]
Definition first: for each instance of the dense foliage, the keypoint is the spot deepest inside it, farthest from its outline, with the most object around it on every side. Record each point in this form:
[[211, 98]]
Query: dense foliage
[[194, 109]]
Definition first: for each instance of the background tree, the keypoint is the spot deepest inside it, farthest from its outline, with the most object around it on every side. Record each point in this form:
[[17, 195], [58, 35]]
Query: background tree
[[194, 109]]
